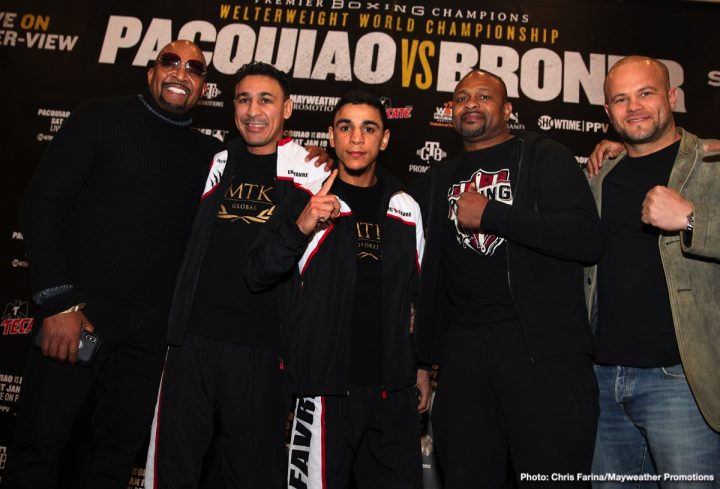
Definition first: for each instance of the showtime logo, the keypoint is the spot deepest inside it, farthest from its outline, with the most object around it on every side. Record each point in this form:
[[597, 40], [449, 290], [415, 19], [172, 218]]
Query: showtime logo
[[546, 122]]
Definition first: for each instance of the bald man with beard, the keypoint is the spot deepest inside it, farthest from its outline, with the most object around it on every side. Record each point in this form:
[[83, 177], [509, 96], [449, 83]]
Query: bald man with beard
[[105, 219], [654, 295]]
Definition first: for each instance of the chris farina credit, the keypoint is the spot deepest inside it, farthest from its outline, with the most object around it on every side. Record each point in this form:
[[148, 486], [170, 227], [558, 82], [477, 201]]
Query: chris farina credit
[[611, 477]]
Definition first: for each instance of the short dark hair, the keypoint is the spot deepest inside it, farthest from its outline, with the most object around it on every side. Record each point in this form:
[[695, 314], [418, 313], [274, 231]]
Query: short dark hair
[[491, 75], [361, 97], [264, 69]]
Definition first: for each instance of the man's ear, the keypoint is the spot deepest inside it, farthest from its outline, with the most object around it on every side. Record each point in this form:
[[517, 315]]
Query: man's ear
[[507, 110], [287, 108], [672, 97], [385, 140], [331, 136]]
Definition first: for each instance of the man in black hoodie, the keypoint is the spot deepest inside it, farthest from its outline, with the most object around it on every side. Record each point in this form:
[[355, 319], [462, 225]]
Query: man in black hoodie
[[105, 220], [353, 248], [509, 221]]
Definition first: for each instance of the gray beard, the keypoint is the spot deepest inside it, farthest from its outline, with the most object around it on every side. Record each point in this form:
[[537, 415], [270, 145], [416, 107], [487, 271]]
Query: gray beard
[[472, 133]]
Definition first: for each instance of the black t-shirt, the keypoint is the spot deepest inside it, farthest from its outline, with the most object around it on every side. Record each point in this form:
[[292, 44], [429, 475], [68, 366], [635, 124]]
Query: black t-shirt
[[366, 335], [475, 263], [224, 307], [635, 321]]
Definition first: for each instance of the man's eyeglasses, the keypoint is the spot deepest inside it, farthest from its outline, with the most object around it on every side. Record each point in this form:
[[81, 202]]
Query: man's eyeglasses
[[192, 66]]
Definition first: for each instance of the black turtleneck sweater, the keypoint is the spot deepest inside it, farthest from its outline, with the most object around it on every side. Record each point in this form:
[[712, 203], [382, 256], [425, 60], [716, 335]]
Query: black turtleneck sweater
[[109, 209]]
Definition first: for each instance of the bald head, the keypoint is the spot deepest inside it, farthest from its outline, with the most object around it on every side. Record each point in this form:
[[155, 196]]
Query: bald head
[[177, 78], [183, 44], [640, 102], [636, 62]]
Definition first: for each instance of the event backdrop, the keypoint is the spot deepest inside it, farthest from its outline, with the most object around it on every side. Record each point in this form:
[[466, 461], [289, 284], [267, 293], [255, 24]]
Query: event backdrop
[[553, 56]]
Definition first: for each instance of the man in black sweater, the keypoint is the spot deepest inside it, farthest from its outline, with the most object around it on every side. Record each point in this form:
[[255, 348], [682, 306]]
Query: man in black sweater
[[509, 223], [106, 218]]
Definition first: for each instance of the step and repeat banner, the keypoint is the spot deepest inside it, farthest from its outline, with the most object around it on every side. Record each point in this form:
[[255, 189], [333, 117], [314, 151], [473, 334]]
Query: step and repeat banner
[[553, 56]]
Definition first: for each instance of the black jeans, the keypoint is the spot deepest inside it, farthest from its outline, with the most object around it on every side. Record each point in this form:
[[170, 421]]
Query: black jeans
[[119, 390], [493, 404]]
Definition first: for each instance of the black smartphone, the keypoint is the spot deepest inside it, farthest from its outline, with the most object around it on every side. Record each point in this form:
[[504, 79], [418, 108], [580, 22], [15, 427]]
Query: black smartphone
[[88, 345]]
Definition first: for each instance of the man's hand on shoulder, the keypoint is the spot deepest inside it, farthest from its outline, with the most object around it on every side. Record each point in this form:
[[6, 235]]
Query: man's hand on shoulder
[[604, 149], [323, 158], [61, 334]]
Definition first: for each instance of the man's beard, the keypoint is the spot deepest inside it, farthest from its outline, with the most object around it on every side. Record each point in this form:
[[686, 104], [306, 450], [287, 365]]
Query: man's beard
[[470, 133], [653, 134], [171, 107], [357, 172]]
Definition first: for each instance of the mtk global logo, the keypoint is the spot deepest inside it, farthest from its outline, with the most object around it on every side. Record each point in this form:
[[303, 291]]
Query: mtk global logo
[[546, 122]]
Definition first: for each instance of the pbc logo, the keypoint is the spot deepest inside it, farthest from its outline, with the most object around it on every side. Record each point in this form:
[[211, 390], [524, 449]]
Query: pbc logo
[[494, 186], [431, 151], [15, 320]]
